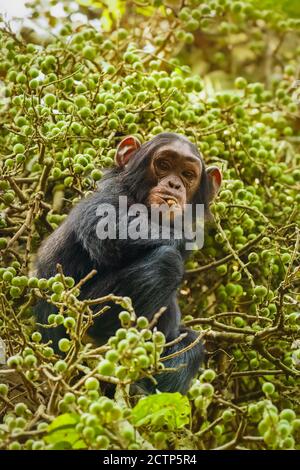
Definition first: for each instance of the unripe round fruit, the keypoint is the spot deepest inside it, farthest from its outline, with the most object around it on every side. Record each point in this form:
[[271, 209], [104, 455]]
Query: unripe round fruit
[[260, 291], [218, 430], [36, 337], [15, 292], [288, 414], [199, 401], [3, 390], [230, 289], [69, 282], [106, 367], [208, 375], [85, 112], [296, 424], [253, 257], [80, 101], [89, 52], [263, 426], [143, 361], [286, 258], [129, 57], [121, 372], [284, 429], [96, 175], [57, 287], [64, 344], [142, 322], [240, 83], [30, 360], [236, 276], [268, 388], [239, 322], [252, 409], [48, 351], [124, 317], [14, 361], [21, 78], [219, 208], [12, 270], [7, 276], [112, 356], [69, 322], [50, 99], [34, 83], [3, 243], [42, 284], [60, 366], [102, 442], [207, 390], [19, 148], [113, 124], [158, 338], [59, 319], [228, 415], [20, 409], [8, 197], [222, 269], [91, 384], [288, 443]]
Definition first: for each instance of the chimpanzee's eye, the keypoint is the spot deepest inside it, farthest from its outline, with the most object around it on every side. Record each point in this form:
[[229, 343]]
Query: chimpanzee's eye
[[188, 175], [163, 165]]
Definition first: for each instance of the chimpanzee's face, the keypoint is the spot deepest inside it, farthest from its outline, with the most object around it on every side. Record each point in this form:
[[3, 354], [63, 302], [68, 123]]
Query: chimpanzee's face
[[176, 172]]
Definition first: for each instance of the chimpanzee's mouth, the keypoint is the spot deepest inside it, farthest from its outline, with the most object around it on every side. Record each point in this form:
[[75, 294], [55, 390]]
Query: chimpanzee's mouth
[[170, 200], [165, 198]]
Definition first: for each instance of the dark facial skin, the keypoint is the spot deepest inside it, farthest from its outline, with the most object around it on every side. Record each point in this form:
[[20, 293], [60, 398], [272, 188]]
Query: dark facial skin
[[176, 174]]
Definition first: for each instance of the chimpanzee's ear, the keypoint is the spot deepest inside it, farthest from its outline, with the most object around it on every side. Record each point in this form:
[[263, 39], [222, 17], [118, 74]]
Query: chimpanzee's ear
[[214, 178], [125, 150]]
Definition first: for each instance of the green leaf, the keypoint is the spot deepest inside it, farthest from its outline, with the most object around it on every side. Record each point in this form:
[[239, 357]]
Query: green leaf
[[289, 7], [106, 21], [62, 433], [162, 411]]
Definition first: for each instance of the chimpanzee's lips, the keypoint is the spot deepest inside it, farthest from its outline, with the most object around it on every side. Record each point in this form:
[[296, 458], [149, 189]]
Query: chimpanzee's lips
[[170, 200], [165, 198]]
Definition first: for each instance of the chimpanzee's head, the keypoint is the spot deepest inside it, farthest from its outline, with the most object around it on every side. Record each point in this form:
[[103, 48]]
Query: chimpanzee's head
[[167, 170]]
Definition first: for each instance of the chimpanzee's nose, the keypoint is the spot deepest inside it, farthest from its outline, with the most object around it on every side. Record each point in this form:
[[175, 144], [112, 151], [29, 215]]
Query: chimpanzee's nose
[[174, 184]]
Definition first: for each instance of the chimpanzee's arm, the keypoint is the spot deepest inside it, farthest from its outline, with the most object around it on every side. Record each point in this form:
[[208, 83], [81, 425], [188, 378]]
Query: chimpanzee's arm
[[150, 281], [110, 252]]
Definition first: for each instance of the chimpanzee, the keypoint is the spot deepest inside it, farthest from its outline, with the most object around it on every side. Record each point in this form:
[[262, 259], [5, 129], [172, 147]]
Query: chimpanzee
[[166, 170]]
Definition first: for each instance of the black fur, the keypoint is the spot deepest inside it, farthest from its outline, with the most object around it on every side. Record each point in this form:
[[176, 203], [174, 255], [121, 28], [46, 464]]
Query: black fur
[[148, 271]]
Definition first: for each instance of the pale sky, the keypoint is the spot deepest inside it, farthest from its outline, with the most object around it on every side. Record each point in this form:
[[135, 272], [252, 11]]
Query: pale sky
[[11, 8], [16, 9]]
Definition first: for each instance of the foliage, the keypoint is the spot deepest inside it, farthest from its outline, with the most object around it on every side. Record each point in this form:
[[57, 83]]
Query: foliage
[[169, 411], [66, 99]]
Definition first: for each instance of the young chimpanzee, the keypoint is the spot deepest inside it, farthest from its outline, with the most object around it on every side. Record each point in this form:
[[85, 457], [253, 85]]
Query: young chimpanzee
[[166, 170]]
